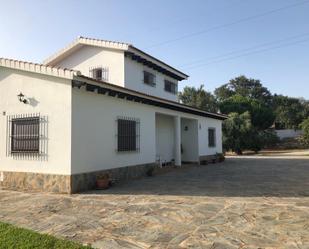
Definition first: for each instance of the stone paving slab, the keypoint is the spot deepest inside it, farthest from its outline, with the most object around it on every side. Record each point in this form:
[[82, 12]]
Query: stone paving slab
[[242, 203]]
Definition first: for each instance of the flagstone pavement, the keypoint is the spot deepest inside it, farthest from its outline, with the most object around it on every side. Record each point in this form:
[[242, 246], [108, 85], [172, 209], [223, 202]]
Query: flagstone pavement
[[241, 203]]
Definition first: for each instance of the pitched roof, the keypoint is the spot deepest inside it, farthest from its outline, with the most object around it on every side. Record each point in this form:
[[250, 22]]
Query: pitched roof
[[38, 68], [126, 47]]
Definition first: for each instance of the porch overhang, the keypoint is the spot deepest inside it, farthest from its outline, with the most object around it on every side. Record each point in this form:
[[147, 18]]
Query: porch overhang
[[104, 88]]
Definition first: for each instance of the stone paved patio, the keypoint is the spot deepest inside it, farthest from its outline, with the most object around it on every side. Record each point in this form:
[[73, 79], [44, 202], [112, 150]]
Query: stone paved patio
[[242, 203]]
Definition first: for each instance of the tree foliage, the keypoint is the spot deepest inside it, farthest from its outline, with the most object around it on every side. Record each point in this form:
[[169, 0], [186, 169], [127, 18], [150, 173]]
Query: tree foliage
[[198, 97], [235, 131], [252, 110], [262, 116], [305, 127], [290, 112], [246, 87]]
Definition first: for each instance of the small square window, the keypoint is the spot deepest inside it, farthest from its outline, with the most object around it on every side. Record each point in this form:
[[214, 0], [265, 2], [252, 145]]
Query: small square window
[[211, 137], [149, 78], [99, 73]]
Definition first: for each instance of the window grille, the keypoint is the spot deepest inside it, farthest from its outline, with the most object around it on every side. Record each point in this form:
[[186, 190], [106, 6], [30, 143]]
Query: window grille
[[99, 73], [26, 134], [128, 134], [149, 78], [170, 87], [211, 137]]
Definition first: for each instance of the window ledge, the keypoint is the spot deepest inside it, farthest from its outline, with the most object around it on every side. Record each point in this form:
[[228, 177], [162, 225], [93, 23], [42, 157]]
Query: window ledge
[[152, 85]]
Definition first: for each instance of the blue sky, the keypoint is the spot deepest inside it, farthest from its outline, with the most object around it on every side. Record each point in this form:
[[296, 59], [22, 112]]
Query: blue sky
[[211, 40]]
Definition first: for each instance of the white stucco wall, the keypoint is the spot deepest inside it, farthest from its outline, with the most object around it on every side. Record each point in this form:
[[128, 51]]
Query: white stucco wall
[[189, 140], [288, 133], [204, 124], [123, 71], [88, 57], [51, 97], [134, 79], [82, 127], [94, 132], [165, 138]]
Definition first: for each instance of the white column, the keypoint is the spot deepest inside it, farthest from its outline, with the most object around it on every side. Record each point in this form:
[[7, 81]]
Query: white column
[[177, 127]]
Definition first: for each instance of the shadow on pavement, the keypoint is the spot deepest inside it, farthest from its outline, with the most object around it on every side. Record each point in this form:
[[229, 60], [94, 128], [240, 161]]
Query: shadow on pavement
[[236, 177]]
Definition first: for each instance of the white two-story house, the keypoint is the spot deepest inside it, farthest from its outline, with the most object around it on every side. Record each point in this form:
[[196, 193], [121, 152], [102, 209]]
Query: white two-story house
[[96, 106]]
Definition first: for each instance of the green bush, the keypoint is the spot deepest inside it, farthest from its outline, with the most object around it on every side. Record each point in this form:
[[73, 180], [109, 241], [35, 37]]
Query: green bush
[[305, 127], [268, 139], [236, 130]]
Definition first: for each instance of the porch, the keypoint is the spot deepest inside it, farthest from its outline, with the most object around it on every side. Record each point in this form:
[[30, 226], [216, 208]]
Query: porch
[[176, 140]]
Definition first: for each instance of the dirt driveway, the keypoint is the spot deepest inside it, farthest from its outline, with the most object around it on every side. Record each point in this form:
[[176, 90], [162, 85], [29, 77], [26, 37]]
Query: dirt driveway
[[242, 203]]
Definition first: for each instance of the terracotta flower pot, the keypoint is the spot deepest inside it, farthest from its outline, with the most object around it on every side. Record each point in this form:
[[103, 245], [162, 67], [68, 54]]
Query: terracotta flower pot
[[102, 183]]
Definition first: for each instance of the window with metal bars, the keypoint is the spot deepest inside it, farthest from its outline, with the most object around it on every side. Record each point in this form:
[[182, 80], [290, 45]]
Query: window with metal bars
[[25, 135], [211, 137], [149, 78], [99, 73], [170, 86], [127, 134]]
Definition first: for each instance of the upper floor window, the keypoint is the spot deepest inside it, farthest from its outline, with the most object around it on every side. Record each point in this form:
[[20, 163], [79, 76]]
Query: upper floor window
[[99, 73], [170, 87], [149, 78], [211, 137]]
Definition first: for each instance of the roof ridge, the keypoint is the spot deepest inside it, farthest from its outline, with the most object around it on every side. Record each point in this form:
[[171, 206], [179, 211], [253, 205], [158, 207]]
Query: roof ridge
[[103, 40], [84, 40], [54, 55], [38, 68]]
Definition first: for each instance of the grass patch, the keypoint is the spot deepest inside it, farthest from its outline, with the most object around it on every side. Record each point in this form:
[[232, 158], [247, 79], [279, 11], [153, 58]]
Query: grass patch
[[12, 237]]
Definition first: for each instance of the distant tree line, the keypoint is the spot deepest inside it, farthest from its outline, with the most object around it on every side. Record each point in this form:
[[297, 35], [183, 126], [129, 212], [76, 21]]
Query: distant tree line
[[252, 111]]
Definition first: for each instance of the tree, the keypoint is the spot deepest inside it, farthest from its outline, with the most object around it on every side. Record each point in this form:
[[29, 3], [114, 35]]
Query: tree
[[236, 130], [262, 116], [290, 112], [305, 105], [246, 87], [305, 127], [198, 97]]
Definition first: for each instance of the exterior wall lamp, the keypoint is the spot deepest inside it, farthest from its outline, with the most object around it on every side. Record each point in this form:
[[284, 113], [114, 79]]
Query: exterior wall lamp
[[22, 98]]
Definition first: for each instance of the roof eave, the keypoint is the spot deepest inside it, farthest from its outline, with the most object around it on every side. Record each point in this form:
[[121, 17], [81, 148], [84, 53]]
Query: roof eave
[[174, 70], [38, 68], [150, 97]]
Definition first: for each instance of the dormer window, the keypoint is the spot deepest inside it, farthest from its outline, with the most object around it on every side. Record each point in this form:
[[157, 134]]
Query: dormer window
[[149, 78], [99, 73], [170, 87]]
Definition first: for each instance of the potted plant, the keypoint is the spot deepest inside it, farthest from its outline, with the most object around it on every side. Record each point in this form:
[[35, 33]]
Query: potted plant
[[150, 171], [220, 157], [102, 181]]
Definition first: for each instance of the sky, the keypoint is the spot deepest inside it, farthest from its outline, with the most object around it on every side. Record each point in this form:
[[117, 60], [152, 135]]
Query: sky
[[213, 41]]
